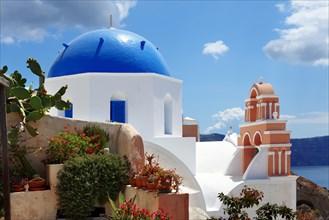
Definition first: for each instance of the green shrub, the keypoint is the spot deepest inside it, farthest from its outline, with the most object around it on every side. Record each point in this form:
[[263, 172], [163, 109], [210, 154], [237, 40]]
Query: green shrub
[[97, 134], [90, 179]]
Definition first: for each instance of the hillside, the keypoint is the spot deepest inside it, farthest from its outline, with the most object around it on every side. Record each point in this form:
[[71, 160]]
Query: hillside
[[305, 151], [310, 151]]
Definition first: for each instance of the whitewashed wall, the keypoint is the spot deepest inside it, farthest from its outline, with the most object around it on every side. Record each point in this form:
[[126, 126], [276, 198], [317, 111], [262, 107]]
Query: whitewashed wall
[[144, 94]]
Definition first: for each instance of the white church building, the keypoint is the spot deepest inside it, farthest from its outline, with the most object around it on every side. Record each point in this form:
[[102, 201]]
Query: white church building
[[119, 76]]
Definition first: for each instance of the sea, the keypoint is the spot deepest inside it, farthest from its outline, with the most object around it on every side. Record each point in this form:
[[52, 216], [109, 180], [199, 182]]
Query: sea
[[317, 174]]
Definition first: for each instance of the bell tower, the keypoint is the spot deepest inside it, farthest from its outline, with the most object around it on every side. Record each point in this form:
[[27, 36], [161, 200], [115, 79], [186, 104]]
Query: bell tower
[[264, 131]]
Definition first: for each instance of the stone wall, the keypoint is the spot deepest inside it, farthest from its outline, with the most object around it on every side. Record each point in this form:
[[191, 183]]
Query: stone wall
[[124, 139]]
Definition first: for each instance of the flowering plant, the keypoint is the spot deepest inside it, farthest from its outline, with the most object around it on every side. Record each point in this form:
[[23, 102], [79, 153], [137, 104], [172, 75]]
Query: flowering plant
[[129, 211], [68, 144], [166, 180]]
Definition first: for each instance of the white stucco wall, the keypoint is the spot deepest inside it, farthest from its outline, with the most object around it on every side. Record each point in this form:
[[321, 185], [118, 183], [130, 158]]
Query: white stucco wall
[[183, 148], [277, 190], [78, 92], [168, 160], [258, 167], [144, 94]]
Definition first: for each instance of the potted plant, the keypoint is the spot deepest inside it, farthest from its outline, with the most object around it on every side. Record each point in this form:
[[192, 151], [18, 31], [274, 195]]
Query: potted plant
[[17, 184], [152, 182], [177, 180], [132, 179], [139, 181], [153, 175], [36, 183]]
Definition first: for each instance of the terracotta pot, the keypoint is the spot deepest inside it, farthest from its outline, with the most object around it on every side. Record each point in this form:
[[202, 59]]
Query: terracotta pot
[[145, 179], [132, 181], [163, 189], [139, 183], [18, 189], [151, 186], [18, 185], [37, 184]]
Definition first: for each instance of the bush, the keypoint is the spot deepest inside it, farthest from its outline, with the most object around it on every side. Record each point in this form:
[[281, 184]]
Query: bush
[[235, 206], [97, 134], [67, 144], [90, 179]]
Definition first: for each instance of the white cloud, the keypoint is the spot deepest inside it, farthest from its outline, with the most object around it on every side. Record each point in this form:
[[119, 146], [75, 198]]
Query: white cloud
[[215, 49], [287, 117], [124, 7], [309, 118], [224, 118], [34, 20], [306, 40]]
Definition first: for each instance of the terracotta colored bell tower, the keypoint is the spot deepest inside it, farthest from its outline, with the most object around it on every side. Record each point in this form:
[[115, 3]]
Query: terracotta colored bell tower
[[263, 130]]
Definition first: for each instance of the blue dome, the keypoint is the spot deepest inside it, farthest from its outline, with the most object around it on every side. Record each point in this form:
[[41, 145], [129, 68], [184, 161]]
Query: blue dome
[[108, 50]]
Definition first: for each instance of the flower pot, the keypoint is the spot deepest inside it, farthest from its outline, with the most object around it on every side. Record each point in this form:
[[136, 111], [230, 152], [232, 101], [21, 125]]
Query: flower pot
[[36, 184], [132, 181], [151, 186], [163, 189], [164, 185], [139, 183], [145, 179], [18, 185], [52, 170]]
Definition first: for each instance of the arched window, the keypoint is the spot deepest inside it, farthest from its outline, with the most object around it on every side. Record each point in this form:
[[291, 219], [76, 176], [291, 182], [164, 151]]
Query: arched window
[[168, 114], [253, 93], [257, 138], [246, 139]]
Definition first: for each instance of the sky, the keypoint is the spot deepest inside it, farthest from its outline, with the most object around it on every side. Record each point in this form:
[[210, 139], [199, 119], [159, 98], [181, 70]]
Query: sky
[[218, 48]]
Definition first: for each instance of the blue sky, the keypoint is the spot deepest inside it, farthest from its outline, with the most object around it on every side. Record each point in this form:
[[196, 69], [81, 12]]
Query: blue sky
[[218, 48]]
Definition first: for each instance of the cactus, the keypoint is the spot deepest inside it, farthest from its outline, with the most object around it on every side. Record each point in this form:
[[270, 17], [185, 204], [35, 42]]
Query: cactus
[[31, 104]]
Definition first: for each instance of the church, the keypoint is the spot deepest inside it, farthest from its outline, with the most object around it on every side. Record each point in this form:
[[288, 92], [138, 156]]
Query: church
[[119, 76]]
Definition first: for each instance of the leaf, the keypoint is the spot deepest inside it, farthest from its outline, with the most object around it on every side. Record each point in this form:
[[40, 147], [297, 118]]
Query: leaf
[[62, 90], [113, 206], [4, 70], [121, 198], [56, 97], [14, 107], [36, 102], [46, 102], [13, 137], [20, 92], [33, 116], [62, 105], [35, 67], [32, 131]]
